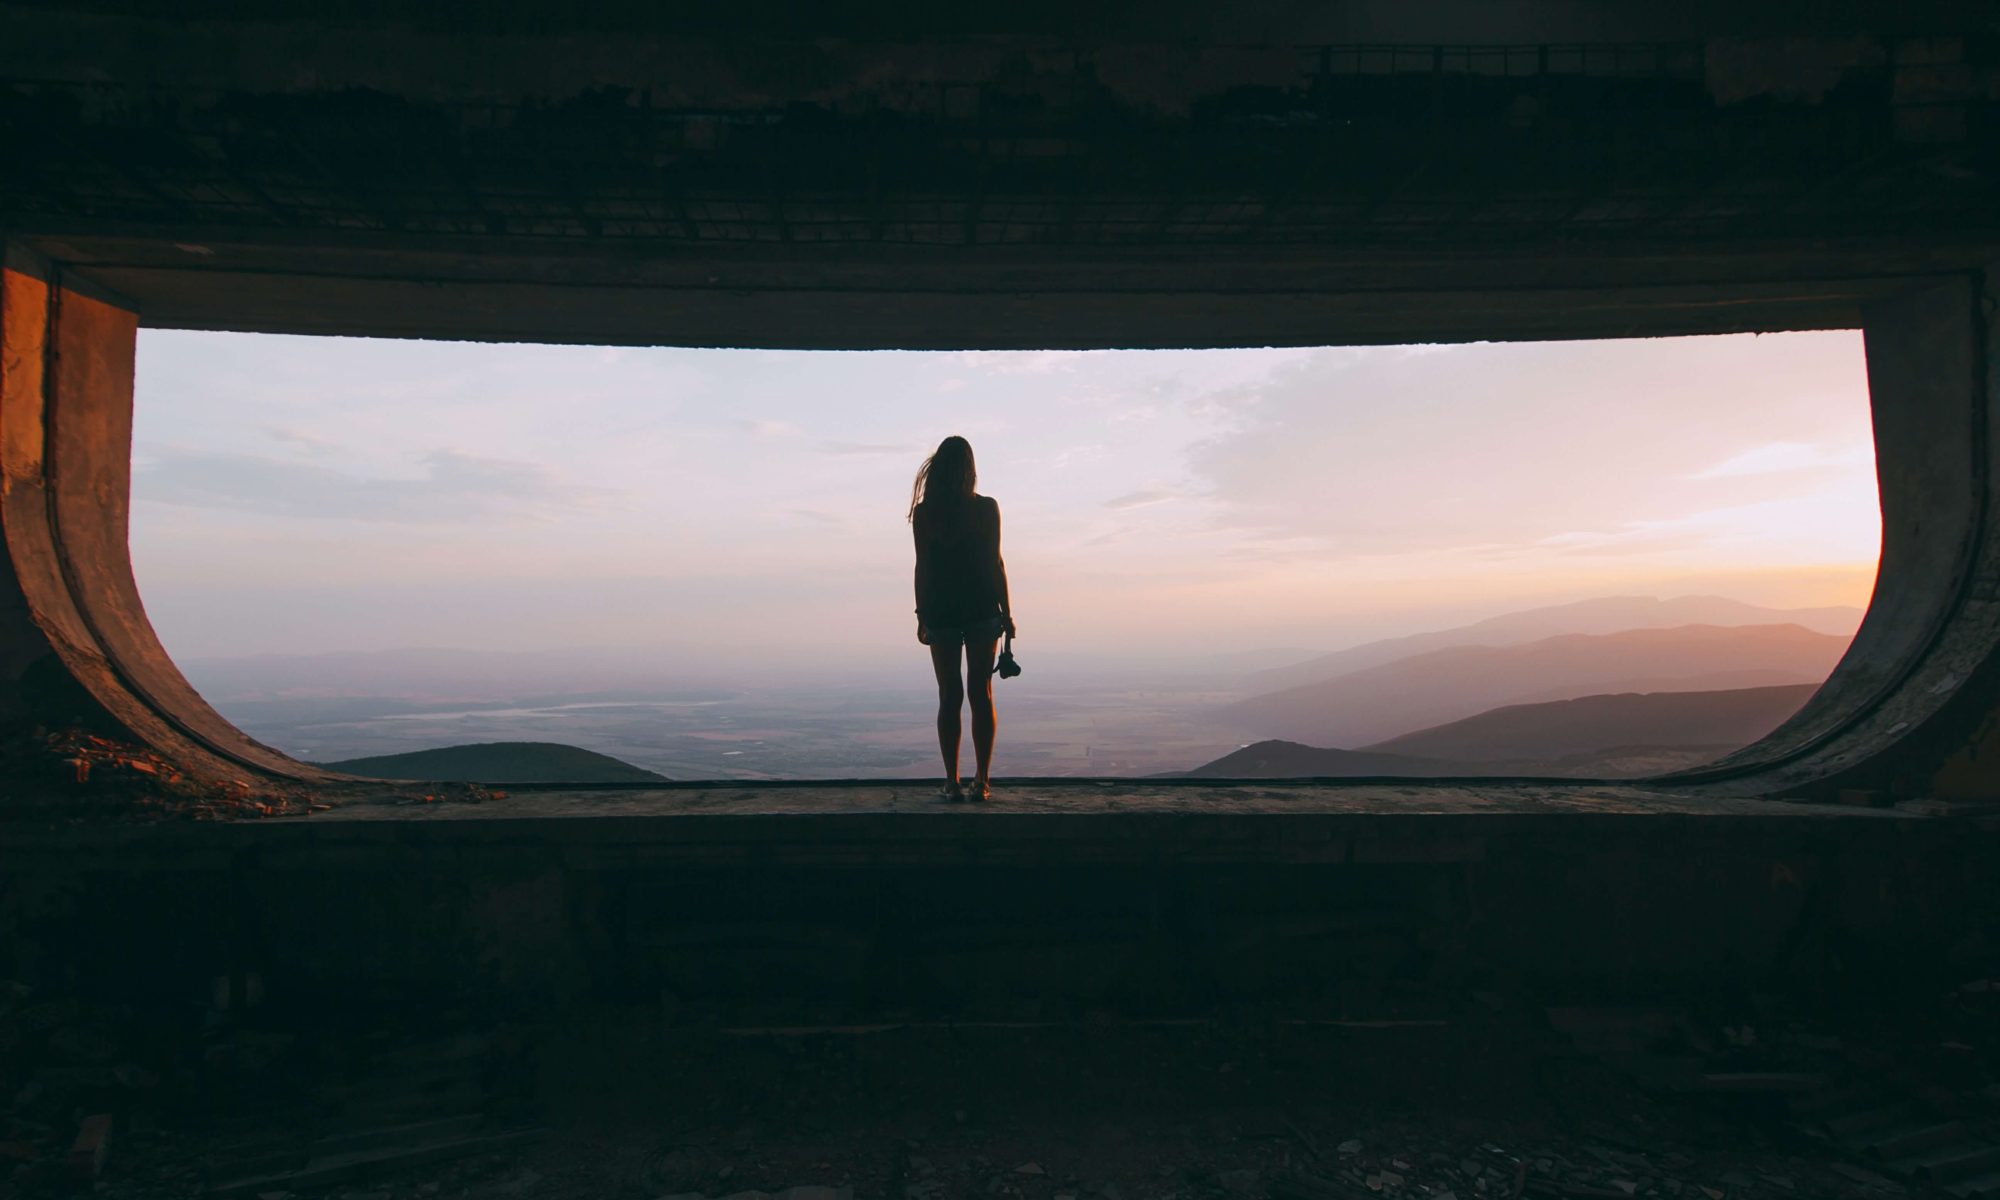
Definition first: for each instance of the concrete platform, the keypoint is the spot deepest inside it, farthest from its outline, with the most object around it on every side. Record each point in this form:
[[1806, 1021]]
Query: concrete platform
[[1106, 797], [1028, 821], [1144, 898]]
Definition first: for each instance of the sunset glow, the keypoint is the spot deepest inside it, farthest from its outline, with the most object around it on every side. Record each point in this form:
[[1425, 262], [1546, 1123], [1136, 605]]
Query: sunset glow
[[310, 494]]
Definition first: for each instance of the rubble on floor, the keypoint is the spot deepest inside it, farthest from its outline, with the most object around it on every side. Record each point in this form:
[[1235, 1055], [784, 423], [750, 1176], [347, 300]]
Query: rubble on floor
[[1484, 1102], [74, 775]]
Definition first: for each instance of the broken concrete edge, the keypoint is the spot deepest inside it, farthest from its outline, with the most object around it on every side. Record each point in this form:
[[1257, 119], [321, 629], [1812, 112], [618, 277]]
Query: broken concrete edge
[[67, 361], [1918, 684], [92, 1147]]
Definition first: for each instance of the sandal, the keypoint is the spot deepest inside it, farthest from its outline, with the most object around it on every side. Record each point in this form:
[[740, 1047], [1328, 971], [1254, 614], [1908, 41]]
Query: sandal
[[951, 793], [979, 792]]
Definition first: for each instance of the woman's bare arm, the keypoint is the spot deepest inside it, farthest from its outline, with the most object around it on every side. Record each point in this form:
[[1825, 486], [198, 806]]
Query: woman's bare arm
[[1000, 573], [922, 579]]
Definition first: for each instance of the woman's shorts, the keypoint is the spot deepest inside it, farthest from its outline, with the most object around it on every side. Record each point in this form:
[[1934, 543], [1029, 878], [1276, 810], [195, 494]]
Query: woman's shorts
[[979, 631]]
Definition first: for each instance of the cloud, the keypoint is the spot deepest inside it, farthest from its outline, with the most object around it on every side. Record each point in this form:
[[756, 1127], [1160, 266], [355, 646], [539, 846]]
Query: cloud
[[1091, 452], [1141, 499], [453, 487], [1634, 538], [1775, 457], [767, 428], [1021, 362], [1515, 443], [864, 449], [311, 443]]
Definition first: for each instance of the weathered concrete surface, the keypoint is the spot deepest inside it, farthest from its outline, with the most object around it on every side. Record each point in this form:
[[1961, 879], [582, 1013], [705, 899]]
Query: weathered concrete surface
[[861, 901], [80, 648], [1919, 687], [1294, 176], [1096, 799]]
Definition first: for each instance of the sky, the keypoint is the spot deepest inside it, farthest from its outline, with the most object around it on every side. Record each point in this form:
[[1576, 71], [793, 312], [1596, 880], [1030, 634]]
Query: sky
[[310, 495]]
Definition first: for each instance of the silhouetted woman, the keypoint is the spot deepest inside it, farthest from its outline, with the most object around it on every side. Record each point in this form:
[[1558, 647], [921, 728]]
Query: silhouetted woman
[[961, 601]]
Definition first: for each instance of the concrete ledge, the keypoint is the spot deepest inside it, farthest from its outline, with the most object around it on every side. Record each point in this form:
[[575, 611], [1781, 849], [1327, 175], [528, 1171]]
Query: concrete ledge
[[862, 900], [1030, 822]]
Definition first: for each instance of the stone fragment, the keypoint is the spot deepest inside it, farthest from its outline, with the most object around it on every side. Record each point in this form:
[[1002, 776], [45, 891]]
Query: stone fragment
[[132, 1075], [83, 1046], [92, 1146], [1030, 1168], [1239, 1182], [1350, 1146]]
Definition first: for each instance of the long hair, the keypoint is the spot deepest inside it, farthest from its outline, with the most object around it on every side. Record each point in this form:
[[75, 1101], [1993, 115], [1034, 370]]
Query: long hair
[[947, 477]]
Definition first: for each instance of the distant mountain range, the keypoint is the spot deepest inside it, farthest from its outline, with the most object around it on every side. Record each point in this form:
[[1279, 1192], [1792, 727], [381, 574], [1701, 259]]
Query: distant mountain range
[[499, 762], [1289, 760], [1277, 759], [1594, 724], [1608, 614], [1607, 736], [1381, 702]]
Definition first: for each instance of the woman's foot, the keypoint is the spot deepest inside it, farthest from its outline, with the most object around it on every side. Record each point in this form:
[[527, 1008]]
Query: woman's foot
[[952, 792], [981, 790]]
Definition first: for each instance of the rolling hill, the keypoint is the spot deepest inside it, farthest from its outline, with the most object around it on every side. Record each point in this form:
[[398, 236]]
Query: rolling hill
[[1289, 760], [1616, 736], [1386, 701], [499, 762], [1609, 614], [1589, 725]]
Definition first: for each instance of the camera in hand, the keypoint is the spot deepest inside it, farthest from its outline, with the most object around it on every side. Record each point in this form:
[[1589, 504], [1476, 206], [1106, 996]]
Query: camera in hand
[[1006, 667]]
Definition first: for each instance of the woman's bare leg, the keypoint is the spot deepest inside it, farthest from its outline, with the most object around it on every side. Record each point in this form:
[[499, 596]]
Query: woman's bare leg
[[979, 669], [951, 694]]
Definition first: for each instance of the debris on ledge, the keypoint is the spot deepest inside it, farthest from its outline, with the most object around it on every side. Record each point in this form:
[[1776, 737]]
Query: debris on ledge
[[73, 774]]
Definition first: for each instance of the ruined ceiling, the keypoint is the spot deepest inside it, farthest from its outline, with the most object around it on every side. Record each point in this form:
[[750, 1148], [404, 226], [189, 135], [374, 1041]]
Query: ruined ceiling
[[762, 186]]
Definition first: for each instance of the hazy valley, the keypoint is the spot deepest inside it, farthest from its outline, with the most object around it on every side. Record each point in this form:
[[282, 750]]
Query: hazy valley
[[1611, 687]]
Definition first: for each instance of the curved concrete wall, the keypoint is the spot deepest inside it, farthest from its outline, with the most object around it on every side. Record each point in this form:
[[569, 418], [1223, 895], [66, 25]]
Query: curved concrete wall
[[1922, 677], [77, 644], [1914, 707]]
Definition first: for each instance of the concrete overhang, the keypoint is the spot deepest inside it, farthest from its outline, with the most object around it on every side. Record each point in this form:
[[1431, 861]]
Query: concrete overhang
[[993, 299]]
